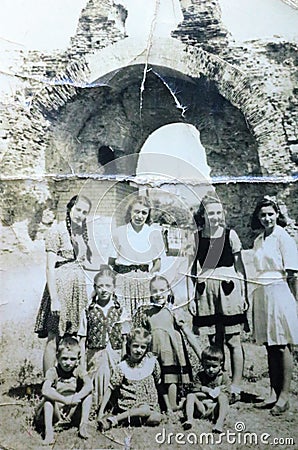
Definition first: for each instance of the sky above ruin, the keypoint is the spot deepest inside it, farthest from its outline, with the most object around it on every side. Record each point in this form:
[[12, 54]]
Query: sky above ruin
[[48, 25]]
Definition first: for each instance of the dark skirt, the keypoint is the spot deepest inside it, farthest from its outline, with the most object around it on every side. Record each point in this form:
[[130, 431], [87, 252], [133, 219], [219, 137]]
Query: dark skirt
[[46, 321]]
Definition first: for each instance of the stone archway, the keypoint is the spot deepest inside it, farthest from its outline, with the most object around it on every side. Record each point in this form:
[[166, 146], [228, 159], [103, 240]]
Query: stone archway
[[119, 117], [101, 67]]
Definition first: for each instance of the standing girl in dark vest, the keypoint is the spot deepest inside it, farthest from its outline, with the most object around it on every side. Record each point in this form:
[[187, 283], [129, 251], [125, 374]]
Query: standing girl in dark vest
[[100, 332], [218, 306]]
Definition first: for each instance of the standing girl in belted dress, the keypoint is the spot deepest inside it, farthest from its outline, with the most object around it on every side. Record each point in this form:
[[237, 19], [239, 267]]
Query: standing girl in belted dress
[[138, 247], [218, 307], [275, 318]]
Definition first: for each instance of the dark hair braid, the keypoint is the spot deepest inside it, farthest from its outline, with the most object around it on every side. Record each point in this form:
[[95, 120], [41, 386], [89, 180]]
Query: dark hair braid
[[69, 207], [86, 240]]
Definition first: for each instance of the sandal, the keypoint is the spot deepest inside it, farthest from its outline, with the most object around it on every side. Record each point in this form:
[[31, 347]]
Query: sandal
[[187, 425], [279, 410], [106, 423]]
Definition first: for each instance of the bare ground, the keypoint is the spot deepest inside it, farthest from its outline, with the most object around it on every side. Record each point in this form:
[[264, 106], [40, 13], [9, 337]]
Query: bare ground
[[21, 377]]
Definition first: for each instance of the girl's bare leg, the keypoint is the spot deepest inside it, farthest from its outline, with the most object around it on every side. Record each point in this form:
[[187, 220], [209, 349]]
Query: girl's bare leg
[[142, 412], [273, 365], [49, 355], [237, 358], [172, 393], [285, 371]]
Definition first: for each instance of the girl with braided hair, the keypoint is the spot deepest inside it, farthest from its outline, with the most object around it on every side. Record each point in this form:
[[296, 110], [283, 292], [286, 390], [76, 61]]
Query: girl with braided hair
[[65, 294]]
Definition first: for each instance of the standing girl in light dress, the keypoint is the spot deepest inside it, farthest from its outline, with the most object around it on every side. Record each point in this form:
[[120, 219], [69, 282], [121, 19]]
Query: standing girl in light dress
[[65, 294], [138, 247], [274, 307], [220, 290]]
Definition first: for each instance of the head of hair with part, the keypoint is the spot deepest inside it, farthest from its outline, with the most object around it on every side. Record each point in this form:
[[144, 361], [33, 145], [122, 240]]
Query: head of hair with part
[[68, 343], [160, 291], [105, 271], [267, 202], [104, 285], [78, 207], [75, 199], [202, 213], [138, 335], [139, 201]]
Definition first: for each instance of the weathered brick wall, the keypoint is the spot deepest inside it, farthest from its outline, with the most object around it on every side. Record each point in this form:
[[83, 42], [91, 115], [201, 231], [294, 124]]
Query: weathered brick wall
[[52, 125]]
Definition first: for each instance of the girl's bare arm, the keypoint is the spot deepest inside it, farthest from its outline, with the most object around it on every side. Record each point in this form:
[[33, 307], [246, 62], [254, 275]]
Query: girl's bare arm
[[51, 281]]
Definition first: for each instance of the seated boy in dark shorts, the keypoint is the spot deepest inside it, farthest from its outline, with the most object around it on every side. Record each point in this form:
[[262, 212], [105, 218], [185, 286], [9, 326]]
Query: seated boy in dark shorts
[[209, 396], [66, 392]]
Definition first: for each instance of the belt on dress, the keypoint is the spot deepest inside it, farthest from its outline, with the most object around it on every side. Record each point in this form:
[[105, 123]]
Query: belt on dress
[[121, 268]]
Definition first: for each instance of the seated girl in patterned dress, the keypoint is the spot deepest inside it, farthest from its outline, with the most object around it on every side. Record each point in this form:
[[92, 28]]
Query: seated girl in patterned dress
[[100, 333], [136, 377], [167, 341]]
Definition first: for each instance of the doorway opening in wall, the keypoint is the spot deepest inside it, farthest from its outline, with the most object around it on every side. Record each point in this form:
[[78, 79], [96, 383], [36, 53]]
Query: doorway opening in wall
[[174, 151]]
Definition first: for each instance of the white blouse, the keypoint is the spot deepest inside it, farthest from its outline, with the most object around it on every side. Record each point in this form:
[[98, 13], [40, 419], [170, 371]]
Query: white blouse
[[131, 247], [275, 253]]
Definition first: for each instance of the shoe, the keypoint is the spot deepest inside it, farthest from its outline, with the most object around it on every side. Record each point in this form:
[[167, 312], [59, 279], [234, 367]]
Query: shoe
[[106, 423], [187, 425], [279, 410], [234, 398], [265, 405], [154, 419]]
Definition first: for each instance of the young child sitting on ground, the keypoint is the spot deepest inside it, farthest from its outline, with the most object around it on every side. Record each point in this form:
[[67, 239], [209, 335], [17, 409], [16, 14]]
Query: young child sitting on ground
[[209, 398], [136, 377], [66, 392]]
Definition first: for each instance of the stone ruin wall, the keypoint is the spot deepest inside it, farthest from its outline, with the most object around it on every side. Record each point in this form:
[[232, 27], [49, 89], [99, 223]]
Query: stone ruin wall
[[258, 123]]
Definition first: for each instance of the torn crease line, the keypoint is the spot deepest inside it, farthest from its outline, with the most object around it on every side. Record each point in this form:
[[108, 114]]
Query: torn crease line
[[153, 178]]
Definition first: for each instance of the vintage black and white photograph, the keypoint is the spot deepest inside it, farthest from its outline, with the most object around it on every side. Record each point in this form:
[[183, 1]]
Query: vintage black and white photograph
[[149, 224]]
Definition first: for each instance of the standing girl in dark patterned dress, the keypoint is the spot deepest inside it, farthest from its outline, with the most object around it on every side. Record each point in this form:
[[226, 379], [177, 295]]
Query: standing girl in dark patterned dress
[[65, 294], [100, 332]]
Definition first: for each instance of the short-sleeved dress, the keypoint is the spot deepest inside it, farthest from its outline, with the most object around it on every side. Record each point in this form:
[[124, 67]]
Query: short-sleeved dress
[[167, 343], [71, 286], [134, 253], [137, 383], [219, 289], [103, 343], [274, 306]]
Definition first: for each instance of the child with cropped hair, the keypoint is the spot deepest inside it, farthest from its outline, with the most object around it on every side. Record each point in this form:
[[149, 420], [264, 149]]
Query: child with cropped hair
[[66, 392], [209, 396]]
